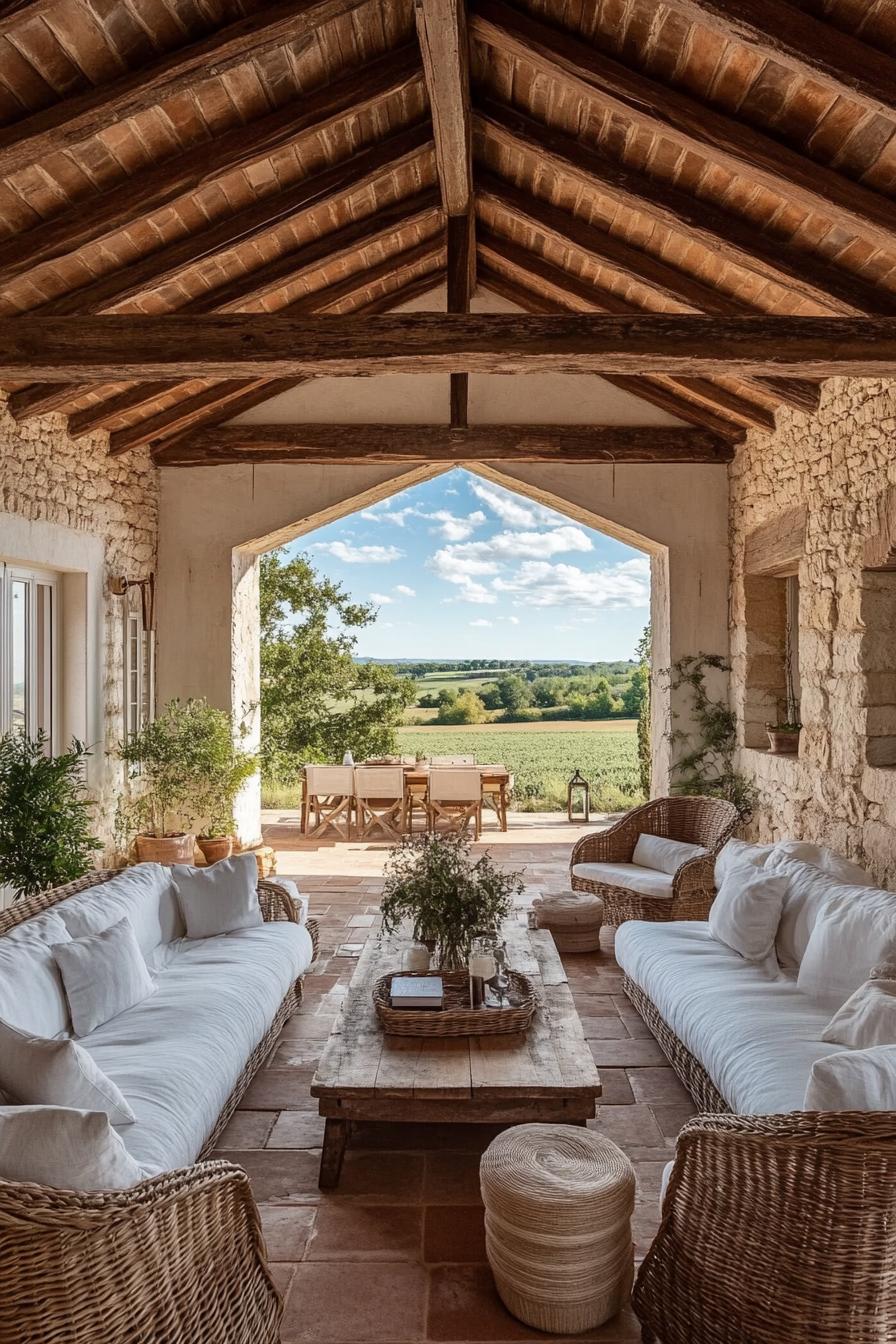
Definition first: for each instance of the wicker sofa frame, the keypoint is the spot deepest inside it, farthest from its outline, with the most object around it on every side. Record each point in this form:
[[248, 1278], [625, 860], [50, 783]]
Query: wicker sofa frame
[[178, 1258], [709, 822], [774, 1227]]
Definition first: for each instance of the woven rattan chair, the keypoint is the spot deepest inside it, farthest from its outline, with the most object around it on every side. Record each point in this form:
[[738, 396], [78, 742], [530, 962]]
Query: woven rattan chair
[[776, 1228], [709, 822], [179, 1258]]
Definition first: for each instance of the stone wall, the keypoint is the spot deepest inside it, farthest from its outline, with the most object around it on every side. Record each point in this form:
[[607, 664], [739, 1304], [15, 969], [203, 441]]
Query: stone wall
[[66, 504], [839, 464]]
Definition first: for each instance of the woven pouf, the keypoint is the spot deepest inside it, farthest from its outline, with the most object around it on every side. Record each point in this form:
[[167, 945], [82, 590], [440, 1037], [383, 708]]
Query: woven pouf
[[558, 1206], [573, 917]]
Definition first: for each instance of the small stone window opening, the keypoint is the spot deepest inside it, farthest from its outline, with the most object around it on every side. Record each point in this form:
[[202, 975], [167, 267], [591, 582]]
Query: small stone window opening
[[772, 692], [877, 658]]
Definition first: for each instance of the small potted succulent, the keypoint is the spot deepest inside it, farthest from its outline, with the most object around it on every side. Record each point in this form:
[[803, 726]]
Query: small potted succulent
[[433, 881], [784, 733]]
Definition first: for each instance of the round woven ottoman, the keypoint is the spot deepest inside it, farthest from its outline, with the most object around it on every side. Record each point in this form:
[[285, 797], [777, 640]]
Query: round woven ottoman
[[573, 917], [558, 1206]]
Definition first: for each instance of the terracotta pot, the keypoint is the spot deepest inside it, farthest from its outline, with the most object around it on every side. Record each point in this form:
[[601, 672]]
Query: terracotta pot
[[784, 741], [166, 848], [215, 847]]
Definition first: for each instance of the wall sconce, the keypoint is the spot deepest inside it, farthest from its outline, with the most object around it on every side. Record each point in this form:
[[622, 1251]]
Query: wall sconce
[[119, 588]]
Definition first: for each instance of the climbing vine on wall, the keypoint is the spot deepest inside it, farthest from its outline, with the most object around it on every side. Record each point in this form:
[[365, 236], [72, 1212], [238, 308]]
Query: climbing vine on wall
[[704, 753]]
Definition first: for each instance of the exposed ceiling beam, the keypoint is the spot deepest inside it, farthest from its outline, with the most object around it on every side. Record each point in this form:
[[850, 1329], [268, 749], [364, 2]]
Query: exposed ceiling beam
[[460, 288], [725, 235], [14, 12], [245, 345], [442, 33], [684, 121], [357, 445], [814, 49], [610, 252], [371, 164], [73, 120], [158, 185]]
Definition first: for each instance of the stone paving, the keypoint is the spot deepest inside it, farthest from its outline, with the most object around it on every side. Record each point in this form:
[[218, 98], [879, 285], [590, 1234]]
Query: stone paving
[[396, 1254]]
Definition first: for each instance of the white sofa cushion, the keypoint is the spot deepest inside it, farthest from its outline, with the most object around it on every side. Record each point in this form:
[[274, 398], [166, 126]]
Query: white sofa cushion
[[664, 855], [219, 899], [64, 1148], [299, 901], [177, 1055], [854, 932], [57, 1073], [854, 1080], [144, 893], [739, 854], [745, 914], [836, 867], [646, 881], [104, 974], [32, 996], [808, 892], [868, 1017], [757, 1038]]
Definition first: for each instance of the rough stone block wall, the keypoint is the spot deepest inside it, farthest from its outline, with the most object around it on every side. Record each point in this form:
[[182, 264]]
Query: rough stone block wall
[[840, 463], [47, 476]]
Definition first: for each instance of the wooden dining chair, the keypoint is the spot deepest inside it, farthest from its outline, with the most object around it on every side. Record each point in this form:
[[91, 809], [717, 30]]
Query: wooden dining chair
[[380, 801], [495, 795], [452, 760], [328, 801], [455, 798]]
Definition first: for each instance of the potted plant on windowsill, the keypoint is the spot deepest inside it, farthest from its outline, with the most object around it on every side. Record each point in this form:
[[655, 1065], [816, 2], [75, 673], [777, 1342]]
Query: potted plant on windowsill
[[784, 733], [433, 881]]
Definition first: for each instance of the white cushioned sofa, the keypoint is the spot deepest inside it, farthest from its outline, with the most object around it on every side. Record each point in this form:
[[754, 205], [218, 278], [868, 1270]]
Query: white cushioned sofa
[[177, 1255]]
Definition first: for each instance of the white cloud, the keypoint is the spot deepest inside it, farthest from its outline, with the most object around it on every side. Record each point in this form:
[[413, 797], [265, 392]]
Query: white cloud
[[511, 620], [351, 554], [404, 590], [482, 623], [512, 510], [453, 528], [387, 515], [381, 599], [540, 584]]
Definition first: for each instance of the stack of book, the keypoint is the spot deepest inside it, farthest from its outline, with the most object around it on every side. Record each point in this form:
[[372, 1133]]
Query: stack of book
[[416, 991]]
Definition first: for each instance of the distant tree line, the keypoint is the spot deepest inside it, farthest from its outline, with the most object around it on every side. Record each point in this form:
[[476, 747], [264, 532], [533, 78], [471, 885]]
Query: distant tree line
[[518, 699]]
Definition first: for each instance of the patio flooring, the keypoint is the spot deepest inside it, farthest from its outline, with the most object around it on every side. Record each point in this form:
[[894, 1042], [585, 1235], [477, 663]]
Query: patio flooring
[[396, 1254]]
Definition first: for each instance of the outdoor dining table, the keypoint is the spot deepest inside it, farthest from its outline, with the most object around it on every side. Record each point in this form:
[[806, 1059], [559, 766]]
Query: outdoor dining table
[[497, 782]]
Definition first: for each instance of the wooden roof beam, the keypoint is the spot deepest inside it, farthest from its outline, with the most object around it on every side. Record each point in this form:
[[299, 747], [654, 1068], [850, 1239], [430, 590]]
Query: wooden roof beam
[[359, 445], [461, 259], [160, 184], [733, 238], [73, 120], [694, 126], [247, 345]]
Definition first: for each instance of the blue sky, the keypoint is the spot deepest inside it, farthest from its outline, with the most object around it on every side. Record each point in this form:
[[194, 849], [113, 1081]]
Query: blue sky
[[461, 568]]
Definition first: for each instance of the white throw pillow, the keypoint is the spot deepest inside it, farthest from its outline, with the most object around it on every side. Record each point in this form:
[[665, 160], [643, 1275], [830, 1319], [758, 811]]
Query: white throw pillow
[[219, 899], [64, 1148], [809, 890], [850, 937], [739, 854], [144, 893], [856, 1080], [745, 914], [868, 1017], [664, 856], [31, 992], [816, 856], [298, 900], [104, 974], [57, 1073]]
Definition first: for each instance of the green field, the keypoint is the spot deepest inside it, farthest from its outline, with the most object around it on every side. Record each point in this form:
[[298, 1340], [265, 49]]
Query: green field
[[542, 756]]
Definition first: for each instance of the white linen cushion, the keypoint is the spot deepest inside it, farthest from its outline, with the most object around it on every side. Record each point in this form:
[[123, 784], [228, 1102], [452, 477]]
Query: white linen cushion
[[757, 1038], [854, 1080], [219, 899], [31, 992], [104, 974], [145, 893], [802, 851], [868, 1017], [745, 913], [666, 856], [646, 881], [739, 854], [854, 931], [177, 1056], [299, 901], [808, 892], [57, 1073], [65, 1148]]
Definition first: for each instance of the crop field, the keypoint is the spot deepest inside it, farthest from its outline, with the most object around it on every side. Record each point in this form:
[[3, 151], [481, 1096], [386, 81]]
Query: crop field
[[542, 756]]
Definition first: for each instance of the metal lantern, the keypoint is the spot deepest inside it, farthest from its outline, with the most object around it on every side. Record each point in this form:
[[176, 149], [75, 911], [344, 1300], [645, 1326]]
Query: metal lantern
[[578, 786]]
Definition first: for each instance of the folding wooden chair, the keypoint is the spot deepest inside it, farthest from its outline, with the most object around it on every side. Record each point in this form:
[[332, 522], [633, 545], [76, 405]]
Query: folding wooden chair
[[452, 760], [455, 797], [328, 801], [380, 801]]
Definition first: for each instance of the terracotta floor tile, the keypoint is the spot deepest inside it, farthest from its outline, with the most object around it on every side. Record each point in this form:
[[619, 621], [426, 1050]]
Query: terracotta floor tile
[[303, 1054], [464, 1305], [615, 1088], [282, 1276], [453, 1233], [371, 1304], [670, 1118], [628, 1126], [649, 1176], [280, 1176], [286, 1230], [247, 1129], [608, 1027], [297, 1129], [280, 1090], [660, 1085], [380, 1232], [381, 1178], [452, 1178], [626, 1054]]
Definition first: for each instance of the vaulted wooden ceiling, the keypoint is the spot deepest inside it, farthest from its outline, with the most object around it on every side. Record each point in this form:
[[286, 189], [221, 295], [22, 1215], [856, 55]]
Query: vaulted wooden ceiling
[[724, 157]]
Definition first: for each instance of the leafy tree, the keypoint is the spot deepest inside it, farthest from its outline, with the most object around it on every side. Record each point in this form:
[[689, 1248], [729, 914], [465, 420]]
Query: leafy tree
[[514, 693], [642, 649], [636, 691], [446, 697], [548, 692], [491, 697], [602, 704], [466, 708], [316, 701]]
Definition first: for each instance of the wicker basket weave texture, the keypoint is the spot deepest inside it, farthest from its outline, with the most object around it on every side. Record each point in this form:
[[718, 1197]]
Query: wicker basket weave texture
[[558, 1205]]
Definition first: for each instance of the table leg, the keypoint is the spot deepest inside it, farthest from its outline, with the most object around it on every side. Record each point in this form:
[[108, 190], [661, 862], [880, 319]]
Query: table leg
[[503, 796], [335, 1140]]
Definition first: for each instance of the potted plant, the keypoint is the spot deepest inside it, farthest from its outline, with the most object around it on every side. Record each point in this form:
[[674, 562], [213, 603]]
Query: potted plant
[[784, 733], [227, 768], [45, 833], [433, 881]]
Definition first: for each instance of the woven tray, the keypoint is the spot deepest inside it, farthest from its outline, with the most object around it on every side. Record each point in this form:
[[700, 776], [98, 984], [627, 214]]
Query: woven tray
[[456, 1018]]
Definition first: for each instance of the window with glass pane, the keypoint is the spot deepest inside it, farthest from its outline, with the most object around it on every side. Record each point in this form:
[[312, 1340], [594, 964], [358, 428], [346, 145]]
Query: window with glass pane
[[138, 674], [19, 655], [28, 652]]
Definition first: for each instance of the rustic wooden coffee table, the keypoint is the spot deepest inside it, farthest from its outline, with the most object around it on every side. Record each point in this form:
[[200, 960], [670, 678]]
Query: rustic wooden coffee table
[[364, 1075]]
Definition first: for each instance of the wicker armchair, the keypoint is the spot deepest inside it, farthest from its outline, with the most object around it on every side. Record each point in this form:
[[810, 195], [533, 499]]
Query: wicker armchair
[[709, 822], [776, 1228], [178, 1258]]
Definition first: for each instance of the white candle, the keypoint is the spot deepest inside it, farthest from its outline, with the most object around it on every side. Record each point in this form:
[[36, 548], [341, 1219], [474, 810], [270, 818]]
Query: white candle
[[482, 964], [416, 959]]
